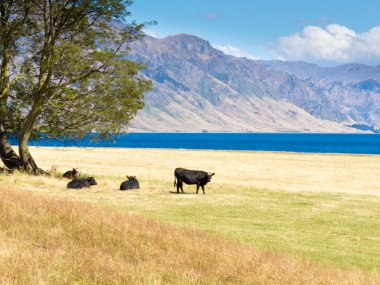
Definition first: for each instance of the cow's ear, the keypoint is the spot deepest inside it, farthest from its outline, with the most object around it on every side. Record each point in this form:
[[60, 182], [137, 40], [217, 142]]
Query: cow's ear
[[212, 174]]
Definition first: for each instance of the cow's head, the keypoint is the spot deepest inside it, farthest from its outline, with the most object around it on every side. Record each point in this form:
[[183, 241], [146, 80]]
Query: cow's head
[[76, 172], [91, 181], [209, 175], [131, 177]]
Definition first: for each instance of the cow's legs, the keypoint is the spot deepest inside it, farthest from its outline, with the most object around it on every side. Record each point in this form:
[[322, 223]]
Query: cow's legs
[[197, 188], [179, 185], [182, 187], [203, 189]]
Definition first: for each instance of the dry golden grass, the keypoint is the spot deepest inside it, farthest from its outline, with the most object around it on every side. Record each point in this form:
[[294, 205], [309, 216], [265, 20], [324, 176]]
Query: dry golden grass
[[57, 241], [313, 206], [356, 174]]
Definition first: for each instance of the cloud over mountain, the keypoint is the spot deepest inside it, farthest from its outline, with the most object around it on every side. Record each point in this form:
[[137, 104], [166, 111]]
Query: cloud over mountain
[[234, 51], [332, 44], [153, 33]]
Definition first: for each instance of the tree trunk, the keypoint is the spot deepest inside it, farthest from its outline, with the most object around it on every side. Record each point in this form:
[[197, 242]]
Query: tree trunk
[[7, 154], [27, 161]]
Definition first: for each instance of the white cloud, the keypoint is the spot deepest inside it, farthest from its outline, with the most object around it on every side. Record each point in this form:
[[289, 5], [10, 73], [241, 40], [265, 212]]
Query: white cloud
[[212, 16], [332, 44], [234, 51], [153, 33]]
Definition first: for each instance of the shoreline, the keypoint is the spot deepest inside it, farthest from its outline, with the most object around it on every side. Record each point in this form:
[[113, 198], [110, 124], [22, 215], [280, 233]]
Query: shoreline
[[205, 150], [269, 142]]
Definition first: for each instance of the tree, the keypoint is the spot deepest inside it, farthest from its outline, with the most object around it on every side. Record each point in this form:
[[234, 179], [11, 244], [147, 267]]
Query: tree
[[13, 22], [75, 78]]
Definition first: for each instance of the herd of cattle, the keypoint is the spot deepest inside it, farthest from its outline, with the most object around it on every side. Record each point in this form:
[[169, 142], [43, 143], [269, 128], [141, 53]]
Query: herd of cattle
[[181, 175]]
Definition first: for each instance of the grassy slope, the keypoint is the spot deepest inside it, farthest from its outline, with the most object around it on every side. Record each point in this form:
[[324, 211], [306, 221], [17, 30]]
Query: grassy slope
[[56, 241], [328, 211]]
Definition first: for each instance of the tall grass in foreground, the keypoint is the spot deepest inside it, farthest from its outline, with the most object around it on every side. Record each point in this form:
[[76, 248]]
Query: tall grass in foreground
[[57, 241], [334, 229]]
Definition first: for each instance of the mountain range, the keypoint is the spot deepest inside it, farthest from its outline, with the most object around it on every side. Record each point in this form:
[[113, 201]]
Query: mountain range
[[198, 88]]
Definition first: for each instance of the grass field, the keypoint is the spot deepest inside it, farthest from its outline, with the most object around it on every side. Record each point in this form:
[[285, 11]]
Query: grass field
[[321, 208]]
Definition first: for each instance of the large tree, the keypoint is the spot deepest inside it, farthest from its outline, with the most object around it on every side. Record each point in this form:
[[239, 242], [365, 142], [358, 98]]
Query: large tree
[[14, 22], [74, 77]]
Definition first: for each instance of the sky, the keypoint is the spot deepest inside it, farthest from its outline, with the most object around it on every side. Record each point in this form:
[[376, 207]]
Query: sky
[[326, 32]]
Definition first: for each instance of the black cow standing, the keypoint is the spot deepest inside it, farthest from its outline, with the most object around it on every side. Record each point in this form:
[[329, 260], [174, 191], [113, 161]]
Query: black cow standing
[[198, 177], [80, 183], [131, 183]]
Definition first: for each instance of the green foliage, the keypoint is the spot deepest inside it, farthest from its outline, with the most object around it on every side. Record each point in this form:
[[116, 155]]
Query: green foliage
[[73, 77]]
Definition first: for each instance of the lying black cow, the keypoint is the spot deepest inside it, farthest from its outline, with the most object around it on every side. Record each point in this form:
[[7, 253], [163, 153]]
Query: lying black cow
[[71, 174], [198, 177], [79, 183], [131, 183]]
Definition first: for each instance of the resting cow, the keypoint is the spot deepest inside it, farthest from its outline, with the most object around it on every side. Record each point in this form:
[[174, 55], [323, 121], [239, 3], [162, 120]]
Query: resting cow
[[80, 183], [131, 183], [71, 174], [198, 177]]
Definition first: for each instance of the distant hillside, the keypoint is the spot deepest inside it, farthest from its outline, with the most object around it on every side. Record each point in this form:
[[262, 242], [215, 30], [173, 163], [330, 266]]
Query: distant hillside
[[347, 73], [199, 88]]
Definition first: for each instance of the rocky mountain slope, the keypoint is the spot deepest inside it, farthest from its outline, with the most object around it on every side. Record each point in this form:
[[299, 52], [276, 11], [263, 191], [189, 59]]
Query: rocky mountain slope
[[199, 88]]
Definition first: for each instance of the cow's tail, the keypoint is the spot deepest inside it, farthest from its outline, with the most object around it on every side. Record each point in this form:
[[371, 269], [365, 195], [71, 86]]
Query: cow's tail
[[175, 180]]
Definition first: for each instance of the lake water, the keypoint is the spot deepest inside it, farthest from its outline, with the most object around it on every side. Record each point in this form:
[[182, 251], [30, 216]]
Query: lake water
[[294, 142]]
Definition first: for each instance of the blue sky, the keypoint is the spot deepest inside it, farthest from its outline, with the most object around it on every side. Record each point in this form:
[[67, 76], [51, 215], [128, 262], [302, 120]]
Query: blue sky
[[327, 32]]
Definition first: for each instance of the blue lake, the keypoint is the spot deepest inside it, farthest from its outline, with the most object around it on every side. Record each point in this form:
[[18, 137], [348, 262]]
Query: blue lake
[[293, 142]]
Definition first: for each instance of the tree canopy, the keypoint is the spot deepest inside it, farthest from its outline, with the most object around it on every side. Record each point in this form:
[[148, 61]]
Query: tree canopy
[[65, 70]]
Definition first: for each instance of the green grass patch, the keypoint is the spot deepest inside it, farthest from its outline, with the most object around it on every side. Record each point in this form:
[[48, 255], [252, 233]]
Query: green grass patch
[[334, 229], [338, 229]]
